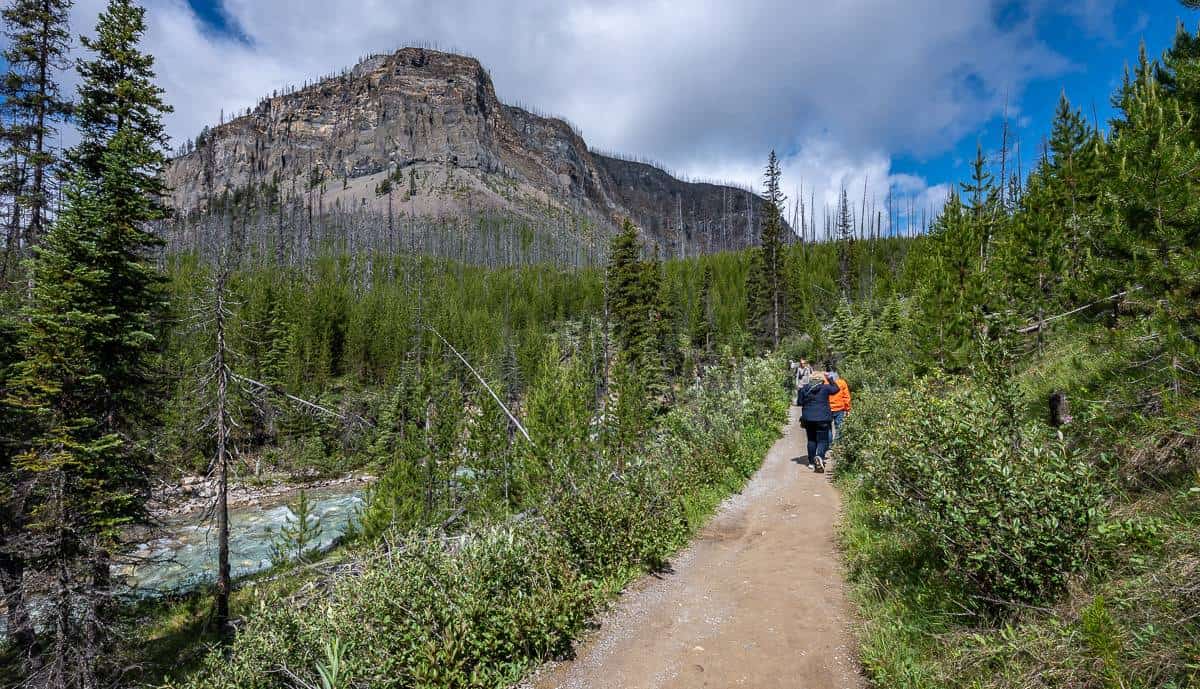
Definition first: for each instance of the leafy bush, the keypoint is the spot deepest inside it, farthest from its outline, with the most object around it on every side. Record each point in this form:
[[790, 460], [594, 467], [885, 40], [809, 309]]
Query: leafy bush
[[614, 524], [424, 609], [421, 614], [1009, 517]]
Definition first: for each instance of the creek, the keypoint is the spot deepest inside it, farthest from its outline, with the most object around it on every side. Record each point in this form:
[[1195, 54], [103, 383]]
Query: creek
[[183, 556]]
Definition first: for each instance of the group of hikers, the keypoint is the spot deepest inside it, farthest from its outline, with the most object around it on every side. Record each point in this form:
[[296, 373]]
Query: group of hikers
[[824, 401]]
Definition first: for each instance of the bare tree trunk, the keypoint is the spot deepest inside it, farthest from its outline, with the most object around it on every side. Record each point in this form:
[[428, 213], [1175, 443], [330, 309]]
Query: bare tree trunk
[[12, 584], [222, 424], [99, 613], [59, 674]]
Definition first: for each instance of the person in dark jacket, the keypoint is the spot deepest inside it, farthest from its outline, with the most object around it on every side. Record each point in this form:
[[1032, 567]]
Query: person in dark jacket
[[816, 417]]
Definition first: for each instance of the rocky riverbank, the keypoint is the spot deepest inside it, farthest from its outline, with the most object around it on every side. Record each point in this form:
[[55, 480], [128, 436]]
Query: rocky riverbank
[[194, 494]]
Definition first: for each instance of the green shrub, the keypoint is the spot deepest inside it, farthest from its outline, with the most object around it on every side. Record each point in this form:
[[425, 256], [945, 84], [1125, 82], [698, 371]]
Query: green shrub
[[610, 525], [1009, 517], [424, 609], [426, 613]]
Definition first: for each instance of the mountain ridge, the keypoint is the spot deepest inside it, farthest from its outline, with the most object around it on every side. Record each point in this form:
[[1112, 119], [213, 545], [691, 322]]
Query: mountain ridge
[[422, 133]]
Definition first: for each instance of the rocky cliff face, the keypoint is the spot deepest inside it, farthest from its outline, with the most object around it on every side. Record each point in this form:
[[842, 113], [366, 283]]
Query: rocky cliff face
[[422, 133]]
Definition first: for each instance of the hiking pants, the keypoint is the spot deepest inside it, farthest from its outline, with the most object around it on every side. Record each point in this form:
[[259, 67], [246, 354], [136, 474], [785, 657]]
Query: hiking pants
[[817, 433], [838, 418]]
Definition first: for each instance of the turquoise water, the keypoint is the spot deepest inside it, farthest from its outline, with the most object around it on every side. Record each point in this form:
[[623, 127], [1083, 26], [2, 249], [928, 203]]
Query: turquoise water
[[186, 557]]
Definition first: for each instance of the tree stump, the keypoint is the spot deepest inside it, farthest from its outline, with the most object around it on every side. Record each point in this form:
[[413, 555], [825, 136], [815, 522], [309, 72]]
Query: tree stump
[[1060, 414]]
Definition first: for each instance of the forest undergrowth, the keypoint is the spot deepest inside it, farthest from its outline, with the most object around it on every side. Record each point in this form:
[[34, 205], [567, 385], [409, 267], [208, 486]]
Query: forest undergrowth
[[986, 548], [480, 604]]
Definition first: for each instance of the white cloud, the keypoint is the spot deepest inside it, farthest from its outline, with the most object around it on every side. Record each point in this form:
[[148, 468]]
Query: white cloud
[[838, 88]]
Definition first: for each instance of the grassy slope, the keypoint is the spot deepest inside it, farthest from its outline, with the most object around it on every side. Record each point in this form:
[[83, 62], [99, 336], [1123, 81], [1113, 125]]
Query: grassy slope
[[1130, 618]]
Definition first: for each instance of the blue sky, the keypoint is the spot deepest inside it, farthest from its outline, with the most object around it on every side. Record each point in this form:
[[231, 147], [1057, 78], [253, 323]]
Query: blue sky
[[852, 94], [1097, 56]]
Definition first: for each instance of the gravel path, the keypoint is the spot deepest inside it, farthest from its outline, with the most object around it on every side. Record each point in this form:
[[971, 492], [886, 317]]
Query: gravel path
[[755, 601]]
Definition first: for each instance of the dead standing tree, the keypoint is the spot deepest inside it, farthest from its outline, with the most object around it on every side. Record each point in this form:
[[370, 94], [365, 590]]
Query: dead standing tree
[[216, 384], [219, 380]]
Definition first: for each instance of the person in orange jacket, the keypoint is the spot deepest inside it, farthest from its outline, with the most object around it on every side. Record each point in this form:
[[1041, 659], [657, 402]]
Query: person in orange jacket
[[839, 404]]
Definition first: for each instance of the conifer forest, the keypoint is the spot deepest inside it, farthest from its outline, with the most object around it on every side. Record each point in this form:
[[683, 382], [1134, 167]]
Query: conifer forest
[[479, 409]]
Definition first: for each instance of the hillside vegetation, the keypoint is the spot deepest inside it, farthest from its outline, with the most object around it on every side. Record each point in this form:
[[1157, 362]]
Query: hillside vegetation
[[1021, 465], [989, 543]]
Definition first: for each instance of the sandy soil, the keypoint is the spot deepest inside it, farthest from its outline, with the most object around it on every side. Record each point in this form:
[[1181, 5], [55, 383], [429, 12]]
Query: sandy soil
[[756, 601]]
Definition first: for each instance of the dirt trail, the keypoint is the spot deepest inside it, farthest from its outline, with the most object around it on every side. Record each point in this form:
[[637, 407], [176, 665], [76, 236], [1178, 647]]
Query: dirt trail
[[756, 600]]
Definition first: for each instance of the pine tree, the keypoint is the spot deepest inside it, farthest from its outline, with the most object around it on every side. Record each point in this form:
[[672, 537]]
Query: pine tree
[[758, 307], [704, 326], [88, 344], [767, 290], [1155, 243], [1073, 178], [847, 271], [119, 93], [660, 358], [1177, 76], [38, 43], [981, 193], [953, 284], [1033, 250]]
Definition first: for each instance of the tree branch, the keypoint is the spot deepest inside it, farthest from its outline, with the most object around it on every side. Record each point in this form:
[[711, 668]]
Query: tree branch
[[1042, 323], [483, 382], [302, 402]]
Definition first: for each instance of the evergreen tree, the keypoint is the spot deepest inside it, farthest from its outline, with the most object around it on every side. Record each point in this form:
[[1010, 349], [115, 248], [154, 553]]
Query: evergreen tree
[[88, 343], [38, 43], [661, 356], [627, 296], [703, 325], [981, 192], [1155, 240], [1177, 75], [769, 286], [641, 317], [953, 285], [89, 340], [13, 488], [1033, 250], [758, 307], [847, 271], [118, 92]]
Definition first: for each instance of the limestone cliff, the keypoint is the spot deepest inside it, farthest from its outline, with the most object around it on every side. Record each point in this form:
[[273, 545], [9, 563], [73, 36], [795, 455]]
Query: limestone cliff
[[423, 133]]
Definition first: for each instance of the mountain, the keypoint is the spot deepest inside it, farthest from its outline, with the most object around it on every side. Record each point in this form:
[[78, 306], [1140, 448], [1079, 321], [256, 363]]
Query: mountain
[[421, 134]]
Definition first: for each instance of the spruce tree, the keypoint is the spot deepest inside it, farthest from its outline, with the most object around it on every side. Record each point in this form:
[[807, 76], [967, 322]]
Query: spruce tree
[[847, 271], [13, 488], [631, 291], [89, 340], [38, 42], [119, 93], [767, 290]]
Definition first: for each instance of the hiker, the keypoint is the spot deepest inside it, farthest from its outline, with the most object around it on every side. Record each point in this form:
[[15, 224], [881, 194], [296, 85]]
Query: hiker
[[805, 371], [839, 404], [816, 417]]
